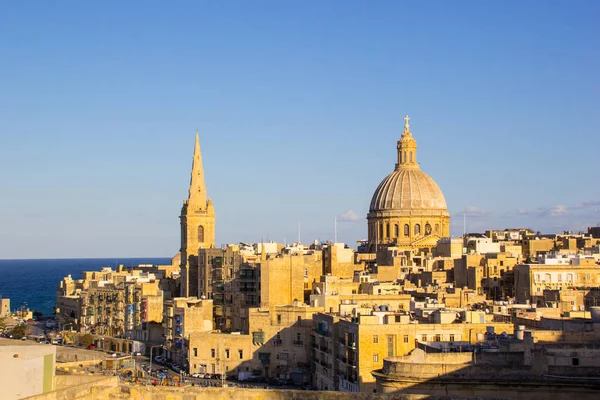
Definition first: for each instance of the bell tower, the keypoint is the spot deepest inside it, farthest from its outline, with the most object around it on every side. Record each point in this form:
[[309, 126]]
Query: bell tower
[[197, 225]]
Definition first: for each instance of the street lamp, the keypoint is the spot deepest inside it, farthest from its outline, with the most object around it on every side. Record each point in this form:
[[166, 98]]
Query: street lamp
[[153, 347]]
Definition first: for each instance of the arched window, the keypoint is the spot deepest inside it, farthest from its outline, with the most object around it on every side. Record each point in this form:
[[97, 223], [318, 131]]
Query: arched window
[[410, 156], [404, 161], [406, 230], [427, 229], [387, 230], [417, 229], [437, 228], [396, 230], [201, 234], [380, 231]]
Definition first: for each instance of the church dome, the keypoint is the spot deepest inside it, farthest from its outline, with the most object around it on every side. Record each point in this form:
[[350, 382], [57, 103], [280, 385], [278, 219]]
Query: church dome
[[407, 190], [408, 209]]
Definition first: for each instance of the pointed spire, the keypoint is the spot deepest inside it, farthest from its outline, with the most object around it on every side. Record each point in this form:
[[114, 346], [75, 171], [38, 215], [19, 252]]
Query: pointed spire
[[197, 195]]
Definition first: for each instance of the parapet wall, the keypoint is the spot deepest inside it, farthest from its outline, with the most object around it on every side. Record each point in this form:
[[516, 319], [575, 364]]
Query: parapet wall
[[195, 393]]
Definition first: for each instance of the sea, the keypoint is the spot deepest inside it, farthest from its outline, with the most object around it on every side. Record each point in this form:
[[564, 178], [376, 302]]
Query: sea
[[33, 283]]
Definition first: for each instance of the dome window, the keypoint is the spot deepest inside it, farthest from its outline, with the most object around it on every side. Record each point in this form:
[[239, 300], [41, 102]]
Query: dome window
[[417, 229], [428, 229], [406, 230]]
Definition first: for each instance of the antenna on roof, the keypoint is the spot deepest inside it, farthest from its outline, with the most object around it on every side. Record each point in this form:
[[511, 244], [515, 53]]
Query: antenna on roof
[[465, 224], [335, 230]]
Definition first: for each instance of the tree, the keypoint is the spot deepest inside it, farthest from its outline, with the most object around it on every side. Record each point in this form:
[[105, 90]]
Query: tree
[[86, 340], [19, 331], [2, 324]]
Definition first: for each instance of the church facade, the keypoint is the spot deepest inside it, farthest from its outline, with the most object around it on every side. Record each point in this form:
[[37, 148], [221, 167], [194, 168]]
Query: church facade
[[408, 209]]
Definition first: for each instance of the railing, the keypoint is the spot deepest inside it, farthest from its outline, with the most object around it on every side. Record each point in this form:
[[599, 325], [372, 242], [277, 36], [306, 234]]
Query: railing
[[298, 342]]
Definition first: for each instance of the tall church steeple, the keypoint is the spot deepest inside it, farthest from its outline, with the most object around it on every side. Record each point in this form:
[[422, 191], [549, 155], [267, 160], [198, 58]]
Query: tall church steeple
[[197, 225], [197, 194]]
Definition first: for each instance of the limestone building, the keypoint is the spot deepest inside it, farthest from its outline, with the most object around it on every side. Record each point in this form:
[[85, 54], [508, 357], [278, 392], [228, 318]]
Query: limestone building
[[408, 209], [197, 225]]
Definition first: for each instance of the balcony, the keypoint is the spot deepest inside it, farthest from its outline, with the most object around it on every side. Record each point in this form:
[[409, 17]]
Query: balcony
[[298, 343], [277, 342], [321, 332]]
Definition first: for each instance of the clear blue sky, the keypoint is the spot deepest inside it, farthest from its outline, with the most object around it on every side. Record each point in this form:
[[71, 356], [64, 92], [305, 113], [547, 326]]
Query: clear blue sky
[[299, 106]]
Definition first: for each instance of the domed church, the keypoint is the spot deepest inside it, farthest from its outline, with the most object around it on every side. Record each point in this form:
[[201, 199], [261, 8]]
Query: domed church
[[408, 209]]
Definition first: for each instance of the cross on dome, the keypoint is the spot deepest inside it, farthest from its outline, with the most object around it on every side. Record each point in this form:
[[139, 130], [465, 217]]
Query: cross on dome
[[406, 126]]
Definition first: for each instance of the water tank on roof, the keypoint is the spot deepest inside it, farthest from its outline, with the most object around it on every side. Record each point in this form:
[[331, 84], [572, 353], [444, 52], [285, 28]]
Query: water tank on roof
[[595, 314]]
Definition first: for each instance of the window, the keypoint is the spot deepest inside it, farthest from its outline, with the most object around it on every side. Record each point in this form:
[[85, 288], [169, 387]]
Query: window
[[200, 234], [387, 230], [438, 338], [380, 230], [241, 354], [452, 337], [427, 229], [560, 277], [569, 277], [212, 353], [306, 272], [548, 278], [537, 277], [404, 157], [405, 338], [417, 229], [575, 361], [406, 230], [226, 353], [390, 345], [437, 228], [375, 339], [195, 352], [375, 357], [299, 318], [423, 338], [410, 156], [278, 319], [396, 230]]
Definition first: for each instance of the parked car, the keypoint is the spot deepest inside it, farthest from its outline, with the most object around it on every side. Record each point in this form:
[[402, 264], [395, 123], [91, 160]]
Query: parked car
[[197, 375], [91, 347]]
